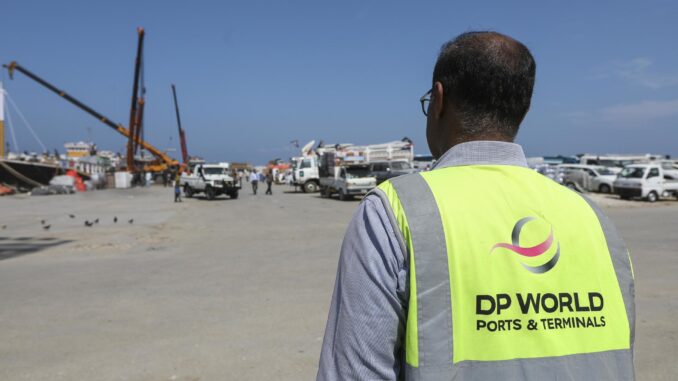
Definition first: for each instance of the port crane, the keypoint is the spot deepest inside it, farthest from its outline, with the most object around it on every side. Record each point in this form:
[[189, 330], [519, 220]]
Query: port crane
[[134, 132]]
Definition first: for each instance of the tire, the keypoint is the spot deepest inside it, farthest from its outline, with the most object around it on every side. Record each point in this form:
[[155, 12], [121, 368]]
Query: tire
[[652, 197], [604, 188], [233, 195], [310, 187], [188, 191], [209, 193]]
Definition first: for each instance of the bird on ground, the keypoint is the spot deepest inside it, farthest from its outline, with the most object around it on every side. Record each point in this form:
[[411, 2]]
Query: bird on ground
[[42, 222], [131, 221], [115, 219], [71, 215], [88, 224], [46, 227], [96, 221]]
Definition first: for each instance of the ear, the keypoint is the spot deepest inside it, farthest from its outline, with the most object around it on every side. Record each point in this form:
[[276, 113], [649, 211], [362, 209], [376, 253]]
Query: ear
[[438, 100]]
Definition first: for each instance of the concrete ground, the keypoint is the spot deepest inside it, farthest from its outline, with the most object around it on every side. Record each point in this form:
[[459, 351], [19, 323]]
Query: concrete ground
[[228, 289]]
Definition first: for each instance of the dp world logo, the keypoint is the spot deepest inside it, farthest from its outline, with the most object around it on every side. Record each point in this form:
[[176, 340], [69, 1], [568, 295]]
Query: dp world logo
[[531, 252]]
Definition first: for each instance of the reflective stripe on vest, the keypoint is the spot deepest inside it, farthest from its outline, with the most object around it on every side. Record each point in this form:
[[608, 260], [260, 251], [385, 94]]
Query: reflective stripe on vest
[[511, 275]]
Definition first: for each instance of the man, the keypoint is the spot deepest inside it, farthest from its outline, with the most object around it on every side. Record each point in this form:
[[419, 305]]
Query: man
[[269, 181], [254, 179], [480, 269]]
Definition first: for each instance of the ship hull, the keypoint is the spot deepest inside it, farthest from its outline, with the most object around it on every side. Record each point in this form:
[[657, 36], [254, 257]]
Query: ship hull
[[40, 173]]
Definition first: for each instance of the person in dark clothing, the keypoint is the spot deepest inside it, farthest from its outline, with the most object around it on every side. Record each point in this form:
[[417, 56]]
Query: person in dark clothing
[[269, 182]]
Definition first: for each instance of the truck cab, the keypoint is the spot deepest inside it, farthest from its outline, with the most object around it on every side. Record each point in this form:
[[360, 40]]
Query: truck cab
[[212, 180], [305, 173], [348, 181], [646, 181]]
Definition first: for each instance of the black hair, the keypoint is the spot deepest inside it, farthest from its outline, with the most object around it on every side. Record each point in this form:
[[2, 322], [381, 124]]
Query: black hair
[[489, 78]]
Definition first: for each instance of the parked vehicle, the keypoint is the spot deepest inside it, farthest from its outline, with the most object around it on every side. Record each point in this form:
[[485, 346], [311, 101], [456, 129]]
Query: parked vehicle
[[644, 181], [591, 178], [344, 179], [423, 162], [385, 170], [211, 179], [305, 173], [670, 168], [617, 162]]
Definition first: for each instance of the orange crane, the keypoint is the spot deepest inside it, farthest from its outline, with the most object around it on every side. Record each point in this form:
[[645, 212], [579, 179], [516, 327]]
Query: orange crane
[[133, 133]]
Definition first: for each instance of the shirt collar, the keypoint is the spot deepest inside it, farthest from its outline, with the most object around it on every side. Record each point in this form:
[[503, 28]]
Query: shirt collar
[[483, 152]]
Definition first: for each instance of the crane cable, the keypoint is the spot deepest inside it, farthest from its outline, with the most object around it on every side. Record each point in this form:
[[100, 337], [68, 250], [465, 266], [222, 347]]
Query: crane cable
[[11, 127], [23, 118]]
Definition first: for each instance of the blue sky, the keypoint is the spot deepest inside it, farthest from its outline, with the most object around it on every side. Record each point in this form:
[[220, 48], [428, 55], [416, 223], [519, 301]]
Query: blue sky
[[253, 75]]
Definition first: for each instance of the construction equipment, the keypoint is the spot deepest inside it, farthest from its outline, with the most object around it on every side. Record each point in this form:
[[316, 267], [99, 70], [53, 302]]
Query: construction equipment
[[182, 134], [133, 133]]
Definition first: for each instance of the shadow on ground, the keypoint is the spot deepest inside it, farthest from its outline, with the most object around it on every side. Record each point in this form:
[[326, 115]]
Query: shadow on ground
[[18, 246]]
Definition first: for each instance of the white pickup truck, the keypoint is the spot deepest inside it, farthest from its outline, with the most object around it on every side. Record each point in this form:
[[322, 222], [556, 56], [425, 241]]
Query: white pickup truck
[[211, 179], [646, 181]]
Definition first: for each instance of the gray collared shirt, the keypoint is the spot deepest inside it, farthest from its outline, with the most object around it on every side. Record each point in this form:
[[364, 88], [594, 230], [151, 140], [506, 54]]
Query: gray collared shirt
[[366, 323]]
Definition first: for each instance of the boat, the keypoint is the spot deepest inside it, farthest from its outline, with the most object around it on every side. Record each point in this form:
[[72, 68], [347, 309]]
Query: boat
[[24, 171]]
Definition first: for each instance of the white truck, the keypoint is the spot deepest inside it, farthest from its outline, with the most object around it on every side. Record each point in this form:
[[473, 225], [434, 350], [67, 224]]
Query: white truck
[[212, 180], [346, 179], [646, 181], [305, 173], [305, 169]]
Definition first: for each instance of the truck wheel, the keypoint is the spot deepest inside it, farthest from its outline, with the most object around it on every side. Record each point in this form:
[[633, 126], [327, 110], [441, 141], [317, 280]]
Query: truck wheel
[[188, 192], [652, 196], [233, 195], [604, 188], [310, 187], [209, 193]]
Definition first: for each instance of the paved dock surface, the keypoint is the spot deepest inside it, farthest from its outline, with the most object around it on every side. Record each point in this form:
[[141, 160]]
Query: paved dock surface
[[224, 290]]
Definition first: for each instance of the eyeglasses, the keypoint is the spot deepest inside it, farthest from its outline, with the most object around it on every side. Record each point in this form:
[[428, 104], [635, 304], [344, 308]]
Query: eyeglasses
[[425, 101]]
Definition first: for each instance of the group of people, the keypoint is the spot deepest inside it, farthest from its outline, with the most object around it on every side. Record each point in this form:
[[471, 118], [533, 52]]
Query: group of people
[[256, 177]]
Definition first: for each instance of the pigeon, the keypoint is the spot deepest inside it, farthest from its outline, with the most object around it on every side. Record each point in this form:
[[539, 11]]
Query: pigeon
[[46, 227], [96, 221], [131, 221], [115, 219], [42, 222], [71, 215], [88, 224]]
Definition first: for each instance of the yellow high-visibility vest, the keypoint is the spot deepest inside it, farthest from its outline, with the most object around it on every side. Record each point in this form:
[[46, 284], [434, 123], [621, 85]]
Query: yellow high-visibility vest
[[511, 275]]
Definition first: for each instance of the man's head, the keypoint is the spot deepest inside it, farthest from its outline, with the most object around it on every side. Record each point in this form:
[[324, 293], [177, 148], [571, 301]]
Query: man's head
[[482, 86]]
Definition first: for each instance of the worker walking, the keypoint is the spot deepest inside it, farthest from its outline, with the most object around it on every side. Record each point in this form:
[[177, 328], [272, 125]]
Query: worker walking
[[481, 268], [254, 179], [269, 182], [177, 188]]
